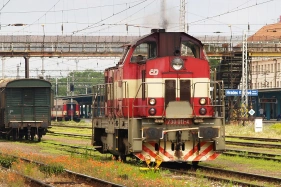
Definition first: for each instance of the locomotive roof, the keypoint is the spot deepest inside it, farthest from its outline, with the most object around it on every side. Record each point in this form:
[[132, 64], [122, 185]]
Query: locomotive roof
[[157, 31], [24, 83]]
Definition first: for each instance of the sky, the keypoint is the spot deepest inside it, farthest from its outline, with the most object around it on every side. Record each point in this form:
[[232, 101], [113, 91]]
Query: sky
[[110, 17]]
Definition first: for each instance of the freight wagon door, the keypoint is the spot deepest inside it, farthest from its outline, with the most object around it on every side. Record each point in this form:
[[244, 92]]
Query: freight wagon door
[[27, 105], [30, 104]]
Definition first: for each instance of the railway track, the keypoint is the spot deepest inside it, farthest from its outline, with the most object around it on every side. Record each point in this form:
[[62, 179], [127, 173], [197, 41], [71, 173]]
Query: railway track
[[255, 139], [225, 176], [68, 177], [73, 148], [71, 126], [251, 154], [252, 144], [28, 180], [240, 178], [70, 135]]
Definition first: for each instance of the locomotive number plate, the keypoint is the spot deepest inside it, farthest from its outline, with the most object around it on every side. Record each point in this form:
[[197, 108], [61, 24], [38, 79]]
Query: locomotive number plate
[[177, 121]]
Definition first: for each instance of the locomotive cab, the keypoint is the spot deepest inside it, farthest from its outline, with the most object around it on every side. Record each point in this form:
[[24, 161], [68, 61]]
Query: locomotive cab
[[157, 102]]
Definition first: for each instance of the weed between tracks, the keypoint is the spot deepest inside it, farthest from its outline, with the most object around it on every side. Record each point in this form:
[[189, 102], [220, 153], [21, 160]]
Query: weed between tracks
[[106, 169]]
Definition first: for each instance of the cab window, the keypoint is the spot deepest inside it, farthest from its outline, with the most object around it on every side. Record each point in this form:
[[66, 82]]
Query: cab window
[[189, 49], [144, 51]]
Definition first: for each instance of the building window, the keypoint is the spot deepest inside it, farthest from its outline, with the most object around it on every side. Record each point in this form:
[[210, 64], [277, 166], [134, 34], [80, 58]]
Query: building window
[[278, 69], [271, 68], [277, 84]]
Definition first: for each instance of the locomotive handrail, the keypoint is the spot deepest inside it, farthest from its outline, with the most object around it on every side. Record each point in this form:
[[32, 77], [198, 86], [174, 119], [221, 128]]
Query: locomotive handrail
[[219, 99], [144, 83], [98, 92]]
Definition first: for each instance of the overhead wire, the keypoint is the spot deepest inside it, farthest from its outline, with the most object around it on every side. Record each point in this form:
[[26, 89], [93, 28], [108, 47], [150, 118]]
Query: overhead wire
[[4, 5], [90, 26], [28, 25], [228, 12]]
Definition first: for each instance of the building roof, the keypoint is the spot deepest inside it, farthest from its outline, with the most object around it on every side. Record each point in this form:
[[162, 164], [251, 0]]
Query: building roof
[[270, 32]]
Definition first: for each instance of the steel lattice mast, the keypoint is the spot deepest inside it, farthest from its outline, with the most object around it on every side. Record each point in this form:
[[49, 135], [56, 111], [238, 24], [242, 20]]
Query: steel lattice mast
[[182, 25], [244, 89]]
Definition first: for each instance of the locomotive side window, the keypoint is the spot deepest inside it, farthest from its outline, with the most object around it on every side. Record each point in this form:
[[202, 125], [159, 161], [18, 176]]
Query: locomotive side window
[[189, 49], [144, 51]]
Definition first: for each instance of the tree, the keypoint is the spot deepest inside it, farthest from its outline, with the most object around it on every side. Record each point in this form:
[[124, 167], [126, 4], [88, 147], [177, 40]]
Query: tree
[[82, 81]]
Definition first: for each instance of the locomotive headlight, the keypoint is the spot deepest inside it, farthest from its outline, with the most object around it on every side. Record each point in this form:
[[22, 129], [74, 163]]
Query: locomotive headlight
[[152, 101], [152, 111], [202, 101], [202, 111], [177, 63]]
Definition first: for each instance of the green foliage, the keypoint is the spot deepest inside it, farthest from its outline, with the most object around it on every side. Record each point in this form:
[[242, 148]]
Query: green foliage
[[7, 161], [214, 63], [52, 169], [276, 126], [81, 79]]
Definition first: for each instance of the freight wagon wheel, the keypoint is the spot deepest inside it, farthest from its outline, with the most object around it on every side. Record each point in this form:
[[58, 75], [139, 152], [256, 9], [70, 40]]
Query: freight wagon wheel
[[15, 134], [20, 136], [39, 136]]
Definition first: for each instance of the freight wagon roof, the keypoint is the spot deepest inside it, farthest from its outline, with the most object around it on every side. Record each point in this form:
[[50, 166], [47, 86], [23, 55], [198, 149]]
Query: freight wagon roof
[[19, 83]]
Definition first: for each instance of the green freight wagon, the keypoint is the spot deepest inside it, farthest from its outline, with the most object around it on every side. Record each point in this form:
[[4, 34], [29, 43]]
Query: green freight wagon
[[25, 108]]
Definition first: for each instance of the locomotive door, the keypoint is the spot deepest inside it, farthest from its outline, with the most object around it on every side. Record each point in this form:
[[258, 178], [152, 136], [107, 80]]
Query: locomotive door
[[142, 90], [118, 88]]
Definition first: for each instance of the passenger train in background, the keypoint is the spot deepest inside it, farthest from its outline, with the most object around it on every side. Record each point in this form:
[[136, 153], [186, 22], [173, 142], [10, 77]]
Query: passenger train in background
[[64, 109], [159, 102]]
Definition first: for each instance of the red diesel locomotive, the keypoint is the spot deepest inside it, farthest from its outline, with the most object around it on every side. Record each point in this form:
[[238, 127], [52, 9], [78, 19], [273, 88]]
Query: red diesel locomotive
[[160, 103], [65, 110]]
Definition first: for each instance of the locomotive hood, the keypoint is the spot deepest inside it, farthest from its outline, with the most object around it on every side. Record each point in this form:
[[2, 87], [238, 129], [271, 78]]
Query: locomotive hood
[[156, 32]]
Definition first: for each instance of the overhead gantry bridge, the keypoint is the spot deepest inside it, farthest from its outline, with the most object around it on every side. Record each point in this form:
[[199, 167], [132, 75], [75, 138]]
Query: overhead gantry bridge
[[28, 46]]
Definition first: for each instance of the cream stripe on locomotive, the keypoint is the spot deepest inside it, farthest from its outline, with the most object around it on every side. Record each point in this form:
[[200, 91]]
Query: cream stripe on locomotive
[[156, 87]]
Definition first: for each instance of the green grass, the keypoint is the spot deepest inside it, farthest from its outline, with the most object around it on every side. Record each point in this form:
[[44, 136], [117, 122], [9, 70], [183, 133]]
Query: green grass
[[269, 131], [260, 165], [70, 130], [73, 123]]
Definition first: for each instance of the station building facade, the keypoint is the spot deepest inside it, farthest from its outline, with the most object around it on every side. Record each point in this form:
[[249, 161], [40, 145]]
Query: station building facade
[[266, 70]]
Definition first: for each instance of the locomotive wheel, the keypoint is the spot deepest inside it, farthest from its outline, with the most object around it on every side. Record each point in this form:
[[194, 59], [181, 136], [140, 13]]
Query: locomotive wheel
[[123, 158], [115, 157], [195, 163]]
